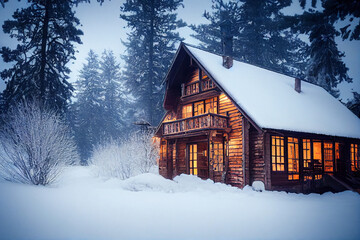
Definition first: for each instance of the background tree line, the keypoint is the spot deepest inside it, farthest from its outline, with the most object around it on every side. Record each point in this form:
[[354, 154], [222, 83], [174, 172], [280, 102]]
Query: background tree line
[[105, 100]]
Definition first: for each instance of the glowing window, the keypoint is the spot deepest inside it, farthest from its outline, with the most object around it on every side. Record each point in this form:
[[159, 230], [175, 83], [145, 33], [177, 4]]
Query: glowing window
[[187, 111], [211, 105], [328, 157], [293, 158], [317, 154], [163, 151], [277, 154], [193, 159], [354, 157], [199, 108], [217, 156], [307, 153]]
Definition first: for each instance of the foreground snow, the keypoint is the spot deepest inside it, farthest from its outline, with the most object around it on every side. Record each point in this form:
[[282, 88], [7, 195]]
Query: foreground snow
[[81, 206]]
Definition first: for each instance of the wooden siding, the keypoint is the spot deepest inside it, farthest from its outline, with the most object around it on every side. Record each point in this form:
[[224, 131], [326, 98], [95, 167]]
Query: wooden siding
[[235, 164], [257, 162]]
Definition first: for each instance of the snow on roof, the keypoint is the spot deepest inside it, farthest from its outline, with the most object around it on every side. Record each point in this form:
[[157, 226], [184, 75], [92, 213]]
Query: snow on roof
[[270, 100]]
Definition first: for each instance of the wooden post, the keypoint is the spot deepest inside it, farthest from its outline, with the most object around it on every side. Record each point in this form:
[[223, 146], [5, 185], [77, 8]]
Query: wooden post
[[182, 89], [200, 81]]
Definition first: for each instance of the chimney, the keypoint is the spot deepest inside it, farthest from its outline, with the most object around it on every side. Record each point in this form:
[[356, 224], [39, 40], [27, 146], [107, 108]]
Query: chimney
[[226, 39], [227, 61], [297, 85]]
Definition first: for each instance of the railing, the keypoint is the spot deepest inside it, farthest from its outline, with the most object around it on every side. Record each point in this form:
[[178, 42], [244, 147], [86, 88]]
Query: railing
[[197, 87], [205, 121]]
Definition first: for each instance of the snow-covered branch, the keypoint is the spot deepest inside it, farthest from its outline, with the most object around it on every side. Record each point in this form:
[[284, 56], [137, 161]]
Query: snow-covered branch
[[124, 159], [34, 145]]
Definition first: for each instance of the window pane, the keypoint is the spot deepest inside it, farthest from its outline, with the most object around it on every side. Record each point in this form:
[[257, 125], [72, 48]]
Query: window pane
[[198, 108], [328, 157], [354, 157], [278, 160], [187, 111], [293, 159]]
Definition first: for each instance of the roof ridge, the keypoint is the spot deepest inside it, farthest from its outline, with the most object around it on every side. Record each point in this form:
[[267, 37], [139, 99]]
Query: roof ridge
[[256, 65]]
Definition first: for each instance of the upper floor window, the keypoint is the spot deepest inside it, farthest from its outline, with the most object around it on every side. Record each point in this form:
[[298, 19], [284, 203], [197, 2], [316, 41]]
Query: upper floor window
[[355, 157], [199, 108], [211, 105], [187, 111], [277, 154]]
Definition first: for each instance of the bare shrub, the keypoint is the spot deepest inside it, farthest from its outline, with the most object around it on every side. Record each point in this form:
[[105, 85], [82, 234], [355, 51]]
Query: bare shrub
[[127, 158], [35, 145]]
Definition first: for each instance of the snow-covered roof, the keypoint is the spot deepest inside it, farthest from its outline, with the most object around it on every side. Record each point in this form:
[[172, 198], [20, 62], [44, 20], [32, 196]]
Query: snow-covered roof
[[270, 100]]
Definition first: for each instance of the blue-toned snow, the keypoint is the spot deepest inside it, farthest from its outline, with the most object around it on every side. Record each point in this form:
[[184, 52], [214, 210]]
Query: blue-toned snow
[[82, 206], [270, 100]]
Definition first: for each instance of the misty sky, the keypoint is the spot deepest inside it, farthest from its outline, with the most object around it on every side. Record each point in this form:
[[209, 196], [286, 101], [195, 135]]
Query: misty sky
[[103, 29]]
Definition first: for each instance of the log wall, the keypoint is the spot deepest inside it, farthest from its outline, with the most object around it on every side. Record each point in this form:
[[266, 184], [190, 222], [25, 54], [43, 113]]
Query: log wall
[[235, 167], [256, 162]]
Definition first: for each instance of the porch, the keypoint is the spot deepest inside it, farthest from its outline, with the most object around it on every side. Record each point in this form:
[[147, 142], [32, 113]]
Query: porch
[[204, 156]]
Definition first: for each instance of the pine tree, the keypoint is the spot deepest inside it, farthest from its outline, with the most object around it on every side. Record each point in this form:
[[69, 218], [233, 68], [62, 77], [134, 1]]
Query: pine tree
[[337, 10], [254, 27], [325, 66], [150, 48], [263, 40], [354, 104], [46, 32], [224, 22], [89, 108], [115, 101]]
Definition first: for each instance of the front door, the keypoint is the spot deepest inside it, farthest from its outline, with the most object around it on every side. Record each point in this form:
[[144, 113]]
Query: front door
[[197, 159]]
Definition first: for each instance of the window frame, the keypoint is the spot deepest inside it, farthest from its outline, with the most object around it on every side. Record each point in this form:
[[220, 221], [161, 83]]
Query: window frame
[[203, 103], [217, 159], [354, 157], [276, 163], [295, 142]]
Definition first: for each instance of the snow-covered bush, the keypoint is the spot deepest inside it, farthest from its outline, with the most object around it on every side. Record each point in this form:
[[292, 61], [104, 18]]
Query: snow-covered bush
[[35, 145], [127, 158]]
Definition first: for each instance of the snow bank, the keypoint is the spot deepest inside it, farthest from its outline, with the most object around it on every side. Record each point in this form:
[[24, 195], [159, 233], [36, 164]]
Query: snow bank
[[81, 206]]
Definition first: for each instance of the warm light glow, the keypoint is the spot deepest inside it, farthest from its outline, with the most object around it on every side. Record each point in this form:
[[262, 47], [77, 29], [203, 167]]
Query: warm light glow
[[293, 158], [217, 156], [163, 151], [211, 105], [193, 159], [328, 157], [317, 151], [187, 111], [354, 157], [306, 153], [199, 108], [277, 154]]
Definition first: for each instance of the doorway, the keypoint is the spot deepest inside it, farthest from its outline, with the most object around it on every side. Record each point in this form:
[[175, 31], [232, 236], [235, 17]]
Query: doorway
[[197, 158]]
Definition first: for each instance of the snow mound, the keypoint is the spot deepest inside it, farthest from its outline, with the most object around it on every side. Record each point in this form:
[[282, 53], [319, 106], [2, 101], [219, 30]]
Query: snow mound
[[258, 186], [149, 182]]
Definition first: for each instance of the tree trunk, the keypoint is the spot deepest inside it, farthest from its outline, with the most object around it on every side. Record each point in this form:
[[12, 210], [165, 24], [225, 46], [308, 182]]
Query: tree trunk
[[44, 39], [151, 64]]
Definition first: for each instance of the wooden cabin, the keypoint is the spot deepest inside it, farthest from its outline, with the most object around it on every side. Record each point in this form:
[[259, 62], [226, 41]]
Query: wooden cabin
[[236, 123]]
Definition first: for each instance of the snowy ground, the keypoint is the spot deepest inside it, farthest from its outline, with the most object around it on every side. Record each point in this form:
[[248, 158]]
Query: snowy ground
[[82, 206]]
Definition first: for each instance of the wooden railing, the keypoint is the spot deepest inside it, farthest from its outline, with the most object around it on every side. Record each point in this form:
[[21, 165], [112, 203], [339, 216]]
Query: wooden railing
[[205, 121], [197, 87]]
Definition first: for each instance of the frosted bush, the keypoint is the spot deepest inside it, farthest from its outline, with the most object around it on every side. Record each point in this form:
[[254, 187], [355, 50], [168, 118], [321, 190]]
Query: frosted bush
[[34, 145], [127, 158]]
